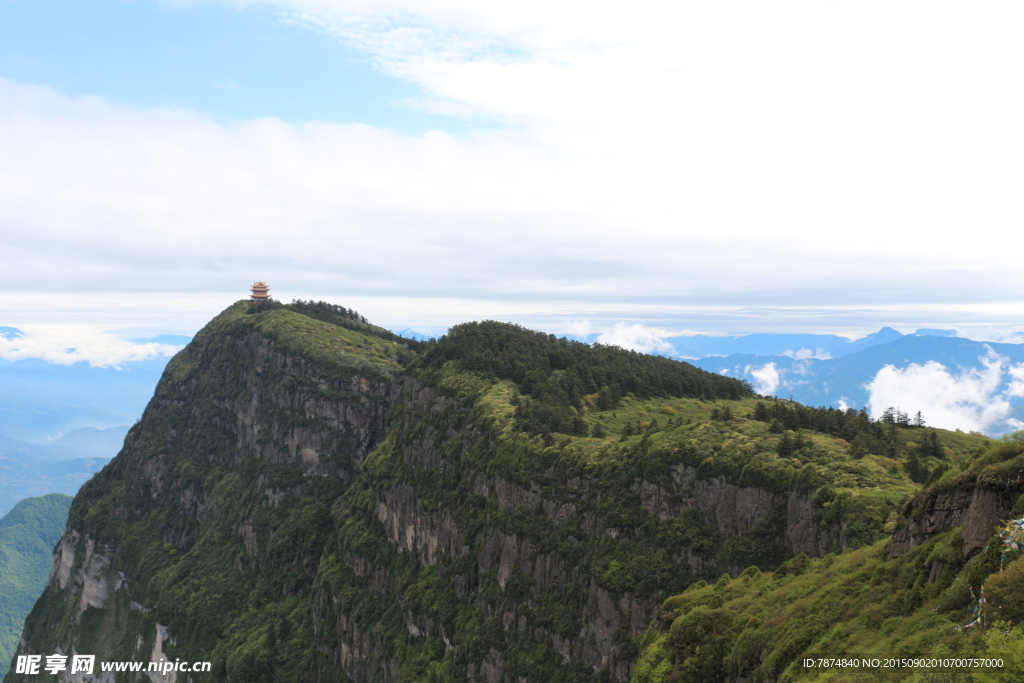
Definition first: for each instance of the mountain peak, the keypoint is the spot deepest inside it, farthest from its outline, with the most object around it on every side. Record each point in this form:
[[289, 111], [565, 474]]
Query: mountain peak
[[883, 336], [932, 332], [172, 339]]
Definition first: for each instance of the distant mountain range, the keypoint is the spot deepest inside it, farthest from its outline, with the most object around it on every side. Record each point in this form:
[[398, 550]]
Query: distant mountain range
[[309, 501], [60, 424], [410, 333], [821, 346], [959, 382], [87, 442], [39, 400], [947, 374], [33, 470]]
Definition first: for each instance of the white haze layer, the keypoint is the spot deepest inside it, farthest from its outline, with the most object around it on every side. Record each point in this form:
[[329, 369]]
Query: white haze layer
[[62, 345], [791, 161], [766, 378], [970, 399], [636, 338]]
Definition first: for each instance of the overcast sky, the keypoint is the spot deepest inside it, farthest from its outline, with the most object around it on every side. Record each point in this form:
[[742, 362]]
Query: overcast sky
[[826, 166]]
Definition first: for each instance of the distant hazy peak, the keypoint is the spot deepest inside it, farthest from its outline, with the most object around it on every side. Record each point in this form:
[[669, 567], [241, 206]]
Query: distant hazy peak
[[886, 334], [930, 332], [883, 336], [172, 339], [91, 438], [410, 333]]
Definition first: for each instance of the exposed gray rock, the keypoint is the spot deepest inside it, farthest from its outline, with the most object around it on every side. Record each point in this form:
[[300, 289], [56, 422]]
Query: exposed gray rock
[[977, 507]]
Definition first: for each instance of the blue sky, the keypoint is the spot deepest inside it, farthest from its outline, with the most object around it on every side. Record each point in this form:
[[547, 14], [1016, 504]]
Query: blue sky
[[689, 167], [228, 62]]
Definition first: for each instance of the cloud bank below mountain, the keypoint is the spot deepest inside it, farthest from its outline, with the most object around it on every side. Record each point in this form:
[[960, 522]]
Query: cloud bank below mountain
[[63, 345], [970, 399]]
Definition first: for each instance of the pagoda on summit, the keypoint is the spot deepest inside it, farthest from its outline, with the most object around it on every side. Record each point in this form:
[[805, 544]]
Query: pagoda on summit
[[260, 292]]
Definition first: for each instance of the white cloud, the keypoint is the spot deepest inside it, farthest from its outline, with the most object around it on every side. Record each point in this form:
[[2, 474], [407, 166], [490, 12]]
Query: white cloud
[[803, 354], [577, 328], [636, 337], [766, 378], [1015, 387], [802, 367], [66, 345], [626, 139], [971, 399], [991, 333]]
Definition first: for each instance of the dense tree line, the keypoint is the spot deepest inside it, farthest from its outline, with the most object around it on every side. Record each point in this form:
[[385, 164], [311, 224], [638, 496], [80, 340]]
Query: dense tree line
[[845, 424], [554, 374], [340, 316], [864, 434], [316, 309]]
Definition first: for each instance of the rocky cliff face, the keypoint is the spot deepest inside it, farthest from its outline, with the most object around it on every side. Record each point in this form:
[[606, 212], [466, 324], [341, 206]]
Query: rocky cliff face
[[735, 509], [977, 504], [213, 494], [293, 506], [522, 554]]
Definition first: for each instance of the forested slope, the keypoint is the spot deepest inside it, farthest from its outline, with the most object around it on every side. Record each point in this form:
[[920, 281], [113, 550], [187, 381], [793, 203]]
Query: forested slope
[[948, 584], [27, 536], [309, 497]]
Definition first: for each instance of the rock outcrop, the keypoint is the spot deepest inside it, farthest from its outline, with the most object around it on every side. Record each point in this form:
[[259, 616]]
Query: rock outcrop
[[975, 504], [294, 506]]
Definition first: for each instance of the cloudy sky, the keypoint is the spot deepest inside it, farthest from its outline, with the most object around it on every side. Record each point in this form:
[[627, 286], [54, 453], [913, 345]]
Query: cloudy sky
[[820, 166]]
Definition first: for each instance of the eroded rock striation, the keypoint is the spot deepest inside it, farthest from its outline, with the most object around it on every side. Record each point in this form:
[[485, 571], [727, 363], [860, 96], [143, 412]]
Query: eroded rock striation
[[299, 504]]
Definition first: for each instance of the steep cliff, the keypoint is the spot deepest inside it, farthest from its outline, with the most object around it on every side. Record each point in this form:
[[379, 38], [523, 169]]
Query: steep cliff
[[948, 586], [302, 502], [976, 500], [215, 514]]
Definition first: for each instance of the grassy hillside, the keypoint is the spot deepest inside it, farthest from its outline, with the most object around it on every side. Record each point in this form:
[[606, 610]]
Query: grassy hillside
[[638, 551], [27, 536], [309, 497], [761, 625]]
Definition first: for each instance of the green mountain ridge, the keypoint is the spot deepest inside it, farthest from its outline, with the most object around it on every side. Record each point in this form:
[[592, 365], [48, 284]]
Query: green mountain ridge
[[943, 586], [27, 536], [309, 497]]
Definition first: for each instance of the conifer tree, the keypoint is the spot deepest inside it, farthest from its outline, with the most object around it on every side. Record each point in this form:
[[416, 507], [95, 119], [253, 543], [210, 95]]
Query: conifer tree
[[859, 446], [579, 426], [798, 442], [916, 470], [785, 445]]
